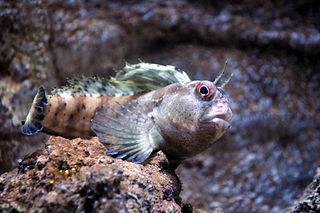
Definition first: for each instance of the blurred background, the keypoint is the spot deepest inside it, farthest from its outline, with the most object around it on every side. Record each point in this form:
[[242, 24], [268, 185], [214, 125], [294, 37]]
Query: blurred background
[[272, 150]]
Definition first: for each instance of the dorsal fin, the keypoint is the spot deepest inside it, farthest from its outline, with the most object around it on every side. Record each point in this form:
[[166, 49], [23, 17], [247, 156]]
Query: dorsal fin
[[149, 76], [132, 79]]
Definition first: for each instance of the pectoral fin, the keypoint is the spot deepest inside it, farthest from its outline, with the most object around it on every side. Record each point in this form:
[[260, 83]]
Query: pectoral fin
[[130, 130]]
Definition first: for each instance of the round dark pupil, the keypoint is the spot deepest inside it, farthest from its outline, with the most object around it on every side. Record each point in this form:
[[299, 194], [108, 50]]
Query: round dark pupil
[[204, 90]]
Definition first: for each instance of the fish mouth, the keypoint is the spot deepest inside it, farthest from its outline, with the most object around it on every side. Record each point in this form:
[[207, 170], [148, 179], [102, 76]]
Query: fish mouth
[[218, 117]]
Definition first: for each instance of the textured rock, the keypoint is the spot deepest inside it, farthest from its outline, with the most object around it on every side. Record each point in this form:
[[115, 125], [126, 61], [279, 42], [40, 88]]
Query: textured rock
[[23, 39], [310, 201], [76, 176]]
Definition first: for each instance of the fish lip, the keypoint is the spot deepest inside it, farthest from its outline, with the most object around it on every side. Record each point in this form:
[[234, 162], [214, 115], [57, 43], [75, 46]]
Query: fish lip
[[217, 117], [216, 120]]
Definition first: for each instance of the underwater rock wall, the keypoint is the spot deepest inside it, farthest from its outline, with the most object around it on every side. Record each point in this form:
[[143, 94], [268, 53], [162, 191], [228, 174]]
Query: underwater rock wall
[[271, 152]]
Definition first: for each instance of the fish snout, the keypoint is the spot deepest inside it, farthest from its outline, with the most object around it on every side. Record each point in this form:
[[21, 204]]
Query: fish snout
[[222, 116], [217, 120]]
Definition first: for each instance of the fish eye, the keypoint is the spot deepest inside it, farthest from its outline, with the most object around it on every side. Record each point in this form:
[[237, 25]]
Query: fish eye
[[204, 91]]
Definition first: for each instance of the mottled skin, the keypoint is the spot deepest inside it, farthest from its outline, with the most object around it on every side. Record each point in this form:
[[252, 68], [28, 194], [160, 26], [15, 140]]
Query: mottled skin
[[70, 115]]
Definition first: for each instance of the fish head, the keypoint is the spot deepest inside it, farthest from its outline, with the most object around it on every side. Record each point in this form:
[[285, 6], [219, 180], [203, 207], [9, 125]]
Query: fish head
[[215, 114], [192, 116]]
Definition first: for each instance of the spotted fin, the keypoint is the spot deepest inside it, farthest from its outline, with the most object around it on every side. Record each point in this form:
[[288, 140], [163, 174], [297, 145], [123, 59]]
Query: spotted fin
[[132, 79], [95, 86], [131, 131], [148, 77], [33, 123]]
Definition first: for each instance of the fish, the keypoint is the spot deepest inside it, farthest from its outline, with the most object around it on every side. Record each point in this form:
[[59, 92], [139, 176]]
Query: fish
[[143, 109]]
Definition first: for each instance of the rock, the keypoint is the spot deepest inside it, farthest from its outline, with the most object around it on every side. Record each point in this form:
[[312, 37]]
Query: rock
[[23, 39], [310, 201], [77, 176]]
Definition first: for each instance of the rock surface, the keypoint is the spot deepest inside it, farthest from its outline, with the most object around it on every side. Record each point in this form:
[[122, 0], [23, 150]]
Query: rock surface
[[76, 176], [310, 201]]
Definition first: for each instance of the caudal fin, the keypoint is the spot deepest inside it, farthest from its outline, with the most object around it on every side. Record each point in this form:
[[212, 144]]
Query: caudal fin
[[33, 123]]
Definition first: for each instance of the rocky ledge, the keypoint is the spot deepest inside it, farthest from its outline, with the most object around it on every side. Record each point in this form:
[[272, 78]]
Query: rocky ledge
[[310, 201], [77, 176]]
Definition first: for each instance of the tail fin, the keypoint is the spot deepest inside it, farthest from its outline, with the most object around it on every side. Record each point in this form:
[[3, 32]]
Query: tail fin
[[33, 123]]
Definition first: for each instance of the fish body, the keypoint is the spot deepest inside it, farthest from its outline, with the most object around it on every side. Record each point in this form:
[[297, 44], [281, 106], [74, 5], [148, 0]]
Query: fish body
[[152, 107], [70, 115]]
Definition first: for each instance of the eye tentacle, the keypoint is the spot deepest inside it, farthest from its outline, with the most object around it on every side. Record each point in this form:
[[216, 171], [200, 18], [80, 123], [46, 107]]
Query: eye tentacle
[[222, 73], [227, 81]]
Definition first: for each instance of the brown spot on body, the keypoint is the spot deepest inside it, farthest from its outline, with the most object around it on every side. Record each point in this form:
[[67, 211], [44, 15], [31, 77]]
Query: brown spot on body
[[79, 107]]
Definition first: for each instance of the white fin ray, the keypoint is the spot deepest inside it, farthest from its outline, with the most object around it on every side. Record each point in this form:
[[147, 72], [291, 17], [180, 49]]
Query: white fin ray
[[113, 124], [110, 131], [118, 118], [129, 129]]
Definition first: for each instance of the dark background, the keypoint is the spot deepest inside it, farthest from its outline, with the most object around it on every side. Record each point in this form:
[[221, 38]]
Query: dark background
[[272, 150]]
